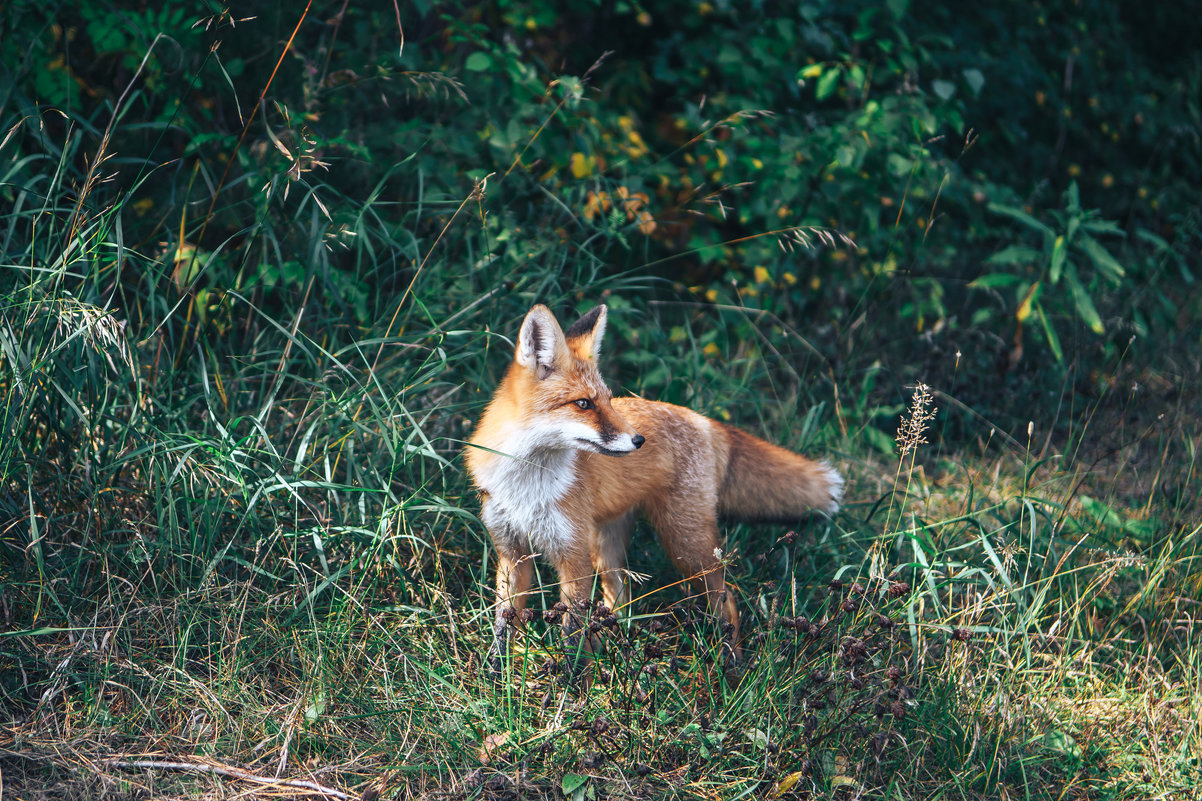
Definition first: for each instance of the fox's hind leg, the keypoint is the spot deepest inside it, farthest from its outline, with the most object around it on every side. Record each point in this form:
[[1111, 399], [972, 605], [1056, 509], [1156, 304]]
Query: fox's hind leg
[[689, 536]]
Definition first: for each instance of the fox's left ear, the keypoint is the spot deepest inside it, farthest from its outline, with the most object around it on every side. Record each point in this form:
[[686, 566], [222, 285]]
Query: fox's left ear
[[585, 335]]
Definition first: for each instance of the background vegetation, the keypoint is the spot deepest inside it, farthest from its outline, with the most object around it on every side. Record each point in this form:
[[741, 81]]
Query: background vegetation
[[259, 268]]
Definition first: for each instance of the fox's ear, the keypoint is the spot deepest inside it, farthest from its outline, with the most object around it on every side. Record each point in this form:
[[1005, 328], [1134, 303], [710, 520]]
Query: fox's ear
[[585, 335], [541, 343]]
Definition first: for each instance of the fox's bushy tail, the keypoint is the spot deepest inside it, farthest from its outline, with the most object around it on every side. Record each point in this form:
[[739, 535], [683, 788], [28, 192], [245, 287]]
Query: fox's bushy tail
[[767, 483]]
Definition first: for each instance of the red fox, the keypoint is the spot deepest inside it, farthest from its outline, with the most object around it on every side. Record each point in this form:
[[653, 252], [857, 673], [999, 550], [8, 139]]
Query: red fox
[[562, 466]]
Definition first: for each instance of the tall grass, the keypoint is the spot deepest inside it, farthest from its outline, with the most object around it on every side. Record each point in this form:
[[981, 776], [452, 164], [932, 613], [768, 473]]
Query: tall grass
[[238, 535]]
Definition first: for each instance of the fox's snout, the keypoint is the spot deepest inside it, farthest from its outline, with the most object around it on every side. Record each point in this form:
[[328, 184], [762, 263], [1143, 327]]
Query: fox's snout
[[619, 445]]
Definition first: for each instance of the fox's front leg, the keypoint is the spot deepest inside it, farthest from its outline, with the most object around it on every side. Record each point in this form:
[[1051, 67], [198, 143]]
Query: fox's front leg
[[575, 570], [515, 573]]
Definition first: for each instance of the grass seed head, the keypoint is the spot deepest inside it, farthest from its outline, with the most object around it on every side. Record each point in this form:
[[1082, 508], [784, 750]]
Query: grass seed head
[[912, 431]]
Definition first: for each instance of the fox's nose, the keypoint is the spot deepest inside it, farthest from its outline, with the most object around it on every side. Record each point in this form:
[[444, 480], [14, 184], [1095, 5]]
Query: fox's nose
[[638, 440]]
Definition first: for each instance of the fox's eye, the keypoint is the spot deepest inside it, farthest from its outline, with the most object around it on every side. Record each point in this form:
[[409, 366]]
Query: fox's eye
[[584, 403]]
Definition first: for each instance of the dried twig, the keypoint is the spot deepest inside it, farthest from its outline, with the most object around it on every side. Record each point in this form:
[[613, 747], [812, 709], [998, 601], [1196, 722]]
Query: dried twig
[[220, 770]]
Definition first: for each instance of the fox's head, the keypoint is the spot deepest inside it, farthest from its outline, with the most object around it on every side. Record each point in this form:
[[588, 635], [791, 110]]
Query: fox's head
[[565, 398]]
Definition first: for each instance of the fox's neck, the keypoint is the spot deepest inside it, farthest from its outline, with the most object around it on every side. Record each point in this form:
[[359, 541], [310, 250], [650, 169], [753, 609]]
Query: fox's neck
[[526, 464], [526, 483]]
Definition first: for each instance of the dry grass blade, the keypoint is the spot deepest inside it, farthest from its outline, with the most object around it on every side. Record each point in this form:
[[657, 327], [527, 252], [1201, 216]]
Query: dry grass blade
[[229, 772]]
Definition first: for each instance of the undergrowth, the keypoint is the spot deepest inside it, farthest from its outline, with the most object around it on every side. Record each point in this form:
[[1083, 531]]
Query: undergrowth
[[238, 546]]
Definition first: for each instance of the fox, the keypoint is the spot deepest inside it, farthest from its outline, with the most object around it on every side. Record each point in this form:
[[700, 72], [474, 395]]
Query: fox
[[562, 468]]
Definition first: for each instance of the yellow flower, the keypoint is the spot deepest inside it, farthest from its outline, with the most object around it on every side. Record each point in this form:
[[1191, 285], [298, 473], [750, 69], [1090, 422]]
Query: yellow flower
[[761, 275], [711, 349], [582, 165], [637, 146]]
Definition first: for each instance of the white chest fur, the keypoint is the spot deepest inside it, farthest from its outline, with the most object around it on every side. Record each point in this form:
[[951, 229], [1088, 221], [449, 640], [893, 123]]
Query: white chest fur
[[525, 482]]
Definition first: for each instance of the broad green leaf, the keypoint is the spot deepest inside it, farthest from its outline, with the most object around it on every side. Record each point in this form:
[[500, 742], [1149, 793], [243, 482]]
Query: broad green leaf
[[879, 439], [1073, 224], [1073, 196], [1155, 240], [995, 280], [1100, 257], [944, 89], [1059, 252], [1103, 227], [1062, 743], [1101, 512], [897, 8], [1049, 333], [899, 166], [572, 782], [316, 708], [1143, 531], [478, 62], [975, 79], [1015, 254], [1084, 302], [1021, 216], [828, 83], [856, 76]]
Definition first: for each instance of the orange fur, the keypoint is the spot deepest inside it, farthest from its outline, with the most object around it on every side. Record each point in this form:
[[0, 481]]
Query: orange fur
[[562, 468]]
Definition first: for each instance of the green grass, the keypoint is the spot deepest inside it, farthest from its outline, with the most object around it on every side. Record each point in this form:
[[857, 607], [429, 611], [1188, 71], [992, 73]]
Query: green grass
[[238, 532]]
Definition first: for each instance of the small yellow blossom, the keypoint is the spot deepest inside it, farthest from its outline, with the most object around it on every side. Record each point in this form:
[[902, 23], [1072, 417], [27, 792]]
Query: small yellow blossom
[[582, 165]]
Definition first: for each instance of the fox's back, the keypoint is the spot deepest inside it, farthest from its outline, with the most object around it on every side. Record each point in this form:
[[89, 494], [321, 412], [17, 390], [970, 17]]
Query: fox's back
[[722, 469]]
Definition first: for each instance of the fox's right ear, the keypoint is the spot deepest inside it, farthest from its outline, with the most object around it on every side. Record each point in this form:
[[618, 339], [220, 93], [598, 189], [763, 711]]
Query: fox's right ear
[[541, 344]]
